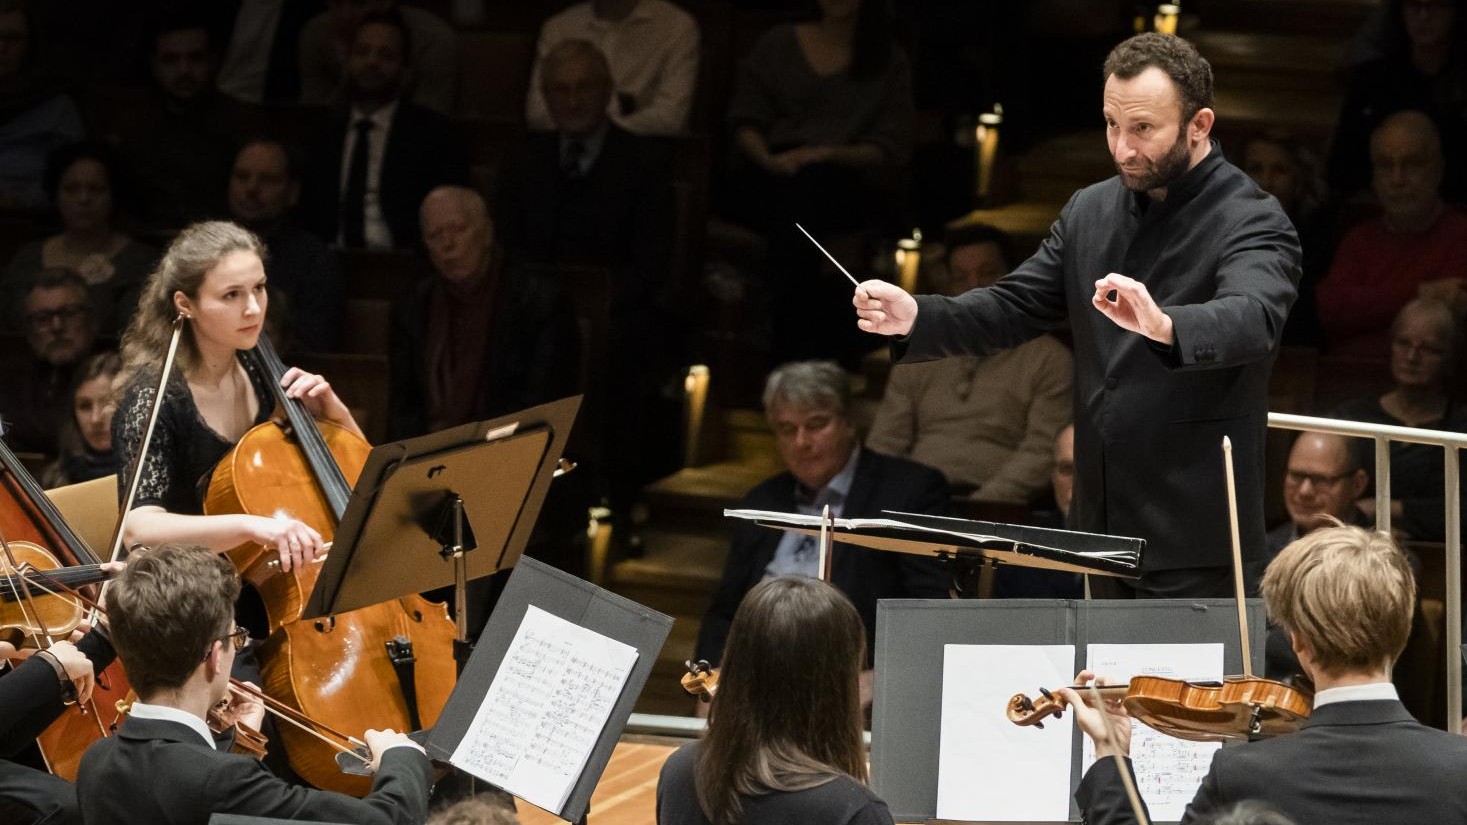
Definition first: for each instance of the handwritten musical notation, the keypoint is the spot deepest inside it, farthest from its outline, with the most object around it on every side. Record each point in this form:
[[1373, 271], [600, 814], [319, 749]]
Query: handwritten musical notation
[[545, 709], [1168, 770]]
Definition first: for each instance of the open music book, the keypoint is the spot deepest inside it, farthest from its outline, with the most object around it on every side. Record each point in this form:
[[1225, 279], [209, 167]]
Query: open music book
[[940, 536]]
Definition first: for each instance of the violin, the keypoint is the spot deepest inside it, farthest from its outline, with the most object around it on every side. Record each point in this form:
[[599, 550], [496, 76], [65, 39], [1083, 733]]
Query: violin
[[34, 605], [701, 680], [1241, 707]]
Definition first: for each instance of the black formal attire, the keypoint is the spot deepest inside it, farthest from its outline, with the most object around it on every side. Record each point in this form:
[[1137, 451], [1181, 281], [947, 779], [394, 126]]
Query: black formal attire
[[162, 772], [1352, 763], [422, 153], [1222, 260], [865, 576], [841, 801], [306, 273], [30, 700]]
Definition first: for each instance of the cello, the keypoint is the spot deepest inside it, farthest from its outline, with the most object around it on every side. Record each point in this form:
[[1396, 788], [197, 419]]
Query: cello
[[31, 522], [389, 664]]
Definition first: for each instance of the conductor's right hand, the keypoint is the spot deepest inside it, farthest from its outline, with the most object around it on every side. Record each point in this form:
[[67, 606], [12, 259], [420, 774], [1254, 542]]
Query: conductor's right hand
[[884, 309], [378, 741], [295, 541]]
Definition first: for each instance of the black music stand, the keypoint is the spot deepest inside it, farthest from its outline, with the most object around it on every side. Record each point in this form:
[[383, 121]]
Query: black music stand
[[423, 506]]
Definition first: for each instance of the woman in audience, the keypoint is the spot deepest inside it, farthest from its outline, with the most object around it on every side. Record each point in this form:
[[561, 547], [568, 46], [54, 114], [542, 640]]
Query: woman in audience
[[1287, 168], [35, 116], [86, 437], [784, 731], [1426, 348], [822, 119], [82, 185]]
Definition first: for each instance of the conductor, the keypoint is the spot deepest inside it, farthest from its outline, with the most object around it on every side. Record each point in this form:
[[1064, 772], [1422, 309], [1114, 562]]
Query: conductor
[[1176, 276]]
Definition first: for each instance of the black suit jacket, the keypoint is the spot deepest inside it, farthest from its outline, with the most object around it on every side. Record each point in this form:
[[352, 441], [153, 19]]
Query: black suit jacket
[[616, 217], [30, 695], [1221, 259], [161, 772], [422, 153], [865, 576], [1353, 763]]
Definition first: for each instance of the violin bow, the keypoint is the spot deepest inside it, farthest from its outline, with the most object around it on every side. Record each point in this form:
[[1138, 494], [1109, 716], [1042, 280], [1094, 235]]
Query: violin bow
[[142, 454], [1127, 780], [1238, 595]]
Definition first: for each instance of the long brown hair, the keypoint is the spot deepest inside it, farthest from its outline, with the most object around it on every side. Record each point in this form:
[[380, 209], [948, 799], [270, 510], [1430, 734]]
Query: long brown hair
[[196, 250], [788, 712]]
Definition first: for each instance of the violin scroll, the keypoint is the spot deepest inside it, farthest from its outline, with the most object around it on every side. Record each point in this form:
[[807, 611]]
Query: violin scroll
[[701, 680]]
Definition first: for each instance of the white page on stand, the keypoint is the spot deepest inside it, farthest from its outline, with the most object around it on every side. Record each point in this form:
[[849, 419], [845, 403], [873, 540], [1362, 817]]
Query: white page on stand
[[545, 709], [989, 768], [1168, 770]]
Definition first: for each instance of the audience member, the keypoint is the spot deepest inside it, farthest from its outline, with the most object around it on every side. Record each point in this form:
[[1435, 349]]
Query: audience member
[[652, 46], [85, 444], [81, 182], [35, 116], [261, 54], [171, 615], [1423, 67], [382, 154], [784, 730], [1324, 481], [483, 337], [305, 276], [1425, 350], [177, 144], [1285, 167], [480, 809], [988, 423], [1345, 598], [430, 53], [588, 192], [60, 332], [807, 405], [822, 120], [1418, 244]]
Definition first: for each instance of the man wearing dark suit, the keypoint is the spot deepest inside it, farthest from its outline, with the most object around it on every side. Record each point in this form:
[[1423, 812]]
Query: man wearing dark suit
[[32, 696], [382, 156], [170, 605], [807, 404], [1346, 597]]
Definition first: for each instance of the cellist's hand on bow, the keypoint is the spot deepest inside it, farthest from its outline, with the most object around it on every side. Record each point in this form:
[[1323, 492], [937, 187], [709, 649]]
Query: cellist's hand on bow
[[378, 741], [77, 666], [1092, 720], [319, 399], [295, 541]]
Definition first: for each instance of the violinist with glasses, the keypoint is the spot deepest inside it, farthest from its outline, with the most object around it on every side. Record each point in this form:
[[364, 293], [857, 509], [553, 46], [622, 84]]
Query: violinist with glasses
[[171, 615], [1345, 596]]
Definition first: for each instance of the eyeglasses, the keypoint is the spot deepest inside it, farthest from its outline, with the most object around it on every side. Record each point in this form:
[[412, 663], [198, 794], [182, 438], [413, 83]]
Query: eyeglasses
[[239, 636], [1405, 345], [46, 317], [1296, 478]]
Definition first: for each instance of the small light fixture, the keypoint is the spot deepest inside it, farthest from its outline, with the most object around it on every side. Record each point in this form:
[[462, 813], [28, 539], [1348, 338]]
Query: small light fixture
[[1165, 21], [909, 261], [695, 402], [985, 141]]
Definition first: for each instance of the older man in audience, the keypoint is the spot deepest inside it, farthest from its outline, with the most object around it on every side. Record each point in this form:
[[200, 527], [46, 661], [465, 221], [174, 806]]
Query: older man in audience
[[987, 422], [652, 46], [382, 155], [264, 188], [60, 330], [807, 404], [1418, 244], [1325, 479]]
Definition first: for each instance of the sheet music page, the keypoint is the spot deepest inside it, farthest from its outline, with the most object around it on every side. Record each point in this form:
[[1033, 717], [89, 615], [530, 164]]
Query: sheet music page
[[988, 768], [1168, 770], [545, 709]]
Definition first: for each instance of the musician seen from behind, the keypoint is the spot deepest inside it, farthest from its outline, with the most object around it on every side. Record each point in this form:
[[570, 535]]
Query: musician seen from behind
[[1175, 276], [808, 405], [171, 614], [1345, 596]]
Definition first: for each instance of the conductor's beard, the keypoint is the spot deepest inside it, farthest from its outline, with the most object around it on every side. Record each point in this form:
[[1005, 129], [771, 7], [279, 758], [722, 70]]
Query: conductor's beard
[[1148, 174]]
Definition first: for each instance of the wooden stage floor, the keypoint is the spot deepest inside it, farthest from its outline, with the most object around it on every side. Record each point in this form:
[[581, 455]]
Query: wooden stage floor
[[627, 792]]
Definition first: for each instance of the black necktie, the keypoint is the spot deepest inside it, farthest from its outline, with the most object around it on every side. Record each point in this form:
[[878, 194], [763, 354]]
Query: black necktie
[[354, 197], [571, 163]]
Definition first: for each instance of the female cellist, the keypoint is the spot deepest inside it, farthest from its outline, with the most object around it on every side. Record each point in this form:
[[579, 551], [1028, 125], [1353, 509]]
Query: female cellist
[[212, 275]]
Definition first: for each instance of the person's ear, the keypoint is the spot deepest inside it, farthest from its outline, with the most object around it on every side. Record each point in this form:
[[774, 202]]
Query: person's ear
[[182, 304], [1201, 126], [1359, 480]]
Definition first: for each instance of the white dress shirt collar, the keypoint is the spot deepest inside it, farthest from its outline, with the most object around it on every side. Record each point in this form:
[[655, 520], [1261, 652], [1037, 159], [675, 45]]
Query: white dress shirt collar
[[1377, 691], [142, 710]]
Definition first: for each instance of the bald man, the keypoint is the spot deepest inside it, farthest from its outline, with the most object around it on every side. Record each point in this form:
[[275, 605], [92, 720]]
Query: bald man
[[481, 337], [1417, 244], [1324, 479]]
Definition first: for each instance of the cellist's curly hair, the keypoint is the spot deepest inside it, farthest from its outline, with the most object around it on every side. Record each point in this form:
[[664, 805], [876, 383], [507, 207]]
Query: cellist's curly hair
[[196, 250]]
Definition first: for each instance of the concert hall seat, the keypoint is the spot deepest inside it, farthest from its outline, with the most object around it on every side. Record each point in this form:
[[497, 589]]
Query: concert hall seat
[[91, 509]]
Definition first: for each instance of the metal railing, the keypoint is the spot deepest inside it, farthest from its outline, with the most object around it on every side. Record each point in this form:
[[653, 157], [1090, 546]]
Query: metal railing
[[1383, 435]]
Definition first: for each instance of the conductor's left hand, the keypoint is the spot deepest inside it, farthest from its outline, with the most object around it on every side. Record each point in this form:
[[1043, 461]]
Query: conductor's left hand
[[1132, 307], [318, 397], [883, 308]]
